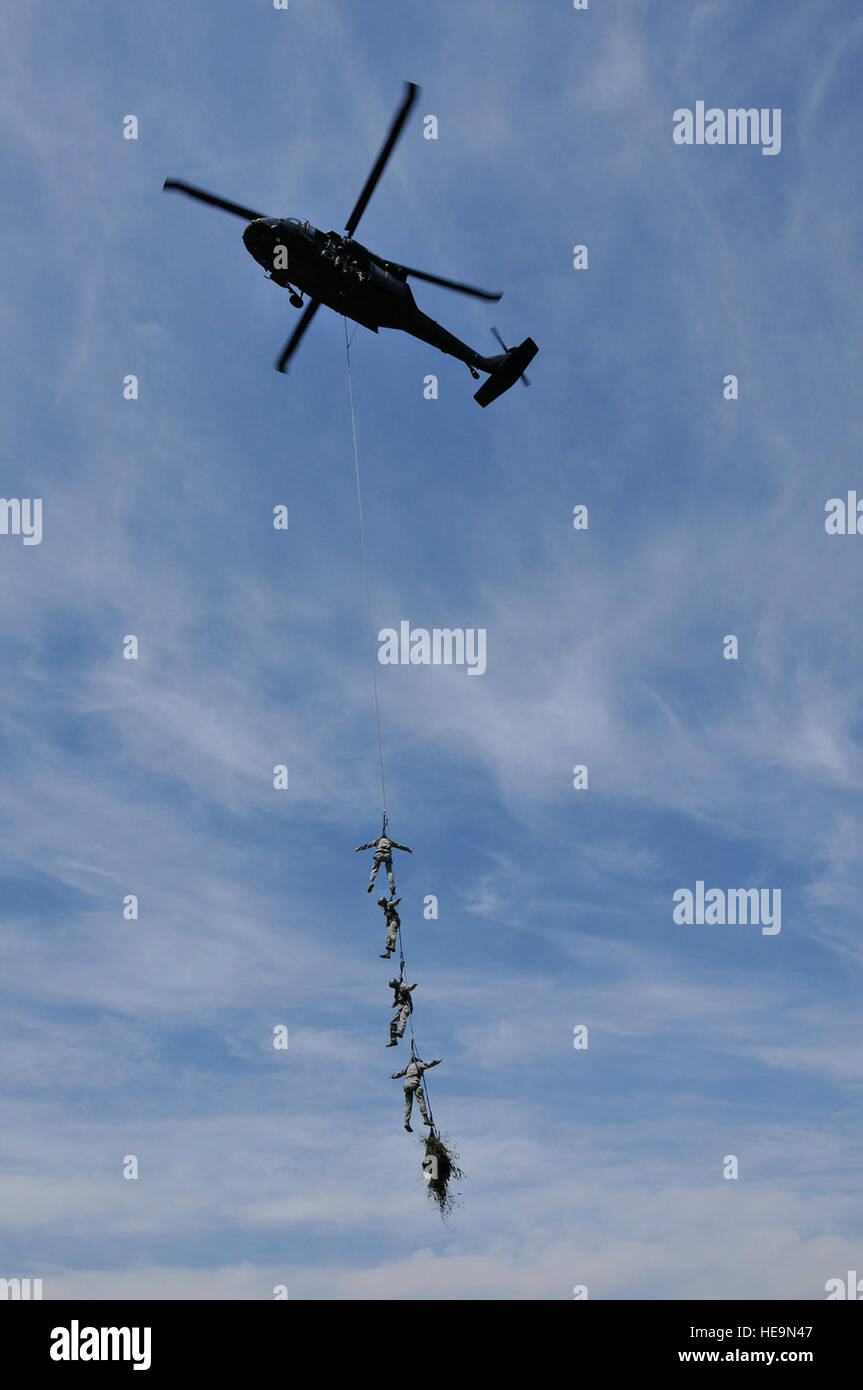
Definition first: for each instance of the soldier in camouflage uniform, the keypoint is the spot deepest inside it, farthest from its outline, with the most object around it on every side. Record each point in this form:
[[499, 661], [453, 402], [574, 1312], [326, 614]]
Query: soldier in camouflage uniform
[[383, 847], [394, 921], [404, 1005], [413, 1074]]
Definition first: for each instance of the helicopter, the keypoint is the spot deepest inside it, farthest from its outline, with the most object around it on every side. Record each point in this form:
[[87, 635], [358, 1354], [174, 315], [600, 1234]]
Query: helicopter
[[333, 269]]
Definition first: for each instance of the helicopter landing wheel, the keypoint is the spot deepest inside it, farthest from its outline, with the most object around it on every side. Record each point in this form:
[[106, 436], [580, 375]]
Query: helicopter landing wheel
[[473, 371], [296, 301]]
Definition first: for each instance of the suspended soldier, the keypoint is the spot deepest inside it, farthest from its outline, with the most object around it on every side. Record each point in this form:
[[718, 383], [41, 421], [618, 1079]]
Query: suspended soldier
[[383, 847], [404, 1005], [412, 1074], [394, 921]]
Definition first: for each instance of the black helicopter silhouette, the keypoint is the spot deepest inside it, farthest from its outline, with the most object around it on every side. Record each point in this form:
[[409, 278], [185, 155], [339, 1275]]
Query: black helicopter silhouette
[[333, 269]]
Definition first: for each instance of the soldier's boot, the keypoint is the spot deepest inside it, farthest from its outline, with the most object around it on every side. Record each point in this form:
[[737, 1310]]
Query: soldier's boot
[[408, 1128]]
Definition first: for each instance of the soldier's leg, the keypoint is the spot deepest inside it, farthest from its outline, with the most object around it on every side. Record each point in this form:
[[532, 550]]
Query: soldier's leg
[[409, 1100], [394, 1023], [401, 1019], [376, 864], [421, 1102], [389, 944], [390, 878]]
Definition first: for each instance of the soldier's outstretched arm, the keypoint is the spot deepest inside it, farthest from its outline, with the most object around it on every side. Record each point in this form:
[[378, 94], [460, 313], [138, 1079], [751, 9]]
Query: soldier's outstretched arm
[[370, 845], [413, 986], [394, 1076], [436, 1063], [396, 845]]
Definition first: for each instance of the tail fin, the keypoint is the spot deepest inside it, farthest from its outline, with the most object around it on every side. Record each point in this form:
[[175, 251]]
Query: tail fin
[[506, 374]]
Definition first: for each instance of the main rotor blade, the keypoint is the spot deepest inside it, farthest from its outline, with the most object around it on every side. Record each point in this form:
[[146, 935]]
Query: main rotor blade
[[204, 197], [450, 284], [291, 345], [410, 96]]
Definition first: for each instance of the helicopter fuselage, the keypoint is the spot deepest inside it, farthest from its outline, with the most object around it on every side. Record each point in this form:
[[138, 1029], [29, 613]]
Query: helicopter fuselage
[[332, 268], [349, 278]]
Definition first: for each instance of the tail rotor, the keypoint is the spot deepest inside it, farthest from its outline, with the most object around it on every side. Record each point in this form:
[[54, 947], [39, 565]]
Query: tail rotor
[[524, 380]]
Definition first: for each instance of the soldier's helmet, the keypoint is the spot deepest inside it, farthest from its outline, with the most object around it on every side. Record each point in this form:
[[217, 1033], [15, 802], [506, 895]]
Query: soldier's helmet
[[394, 984], [382, 902]]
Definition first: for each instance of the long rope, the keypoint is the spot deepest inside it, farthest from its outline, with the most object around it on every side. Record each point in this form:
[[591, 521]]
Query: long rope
[[366, 572], [414, 1053]]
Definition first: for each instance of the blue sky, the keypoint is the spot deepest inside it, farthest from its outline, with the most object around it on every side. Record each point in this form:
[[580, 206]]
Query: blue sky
[[601, 1167]]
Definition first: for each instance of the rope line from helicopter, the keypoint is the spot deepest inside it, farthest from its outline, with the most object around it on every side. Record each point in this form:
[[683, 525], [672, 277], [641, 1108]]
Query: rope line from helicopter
[[348, 342], [414, 1053]]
